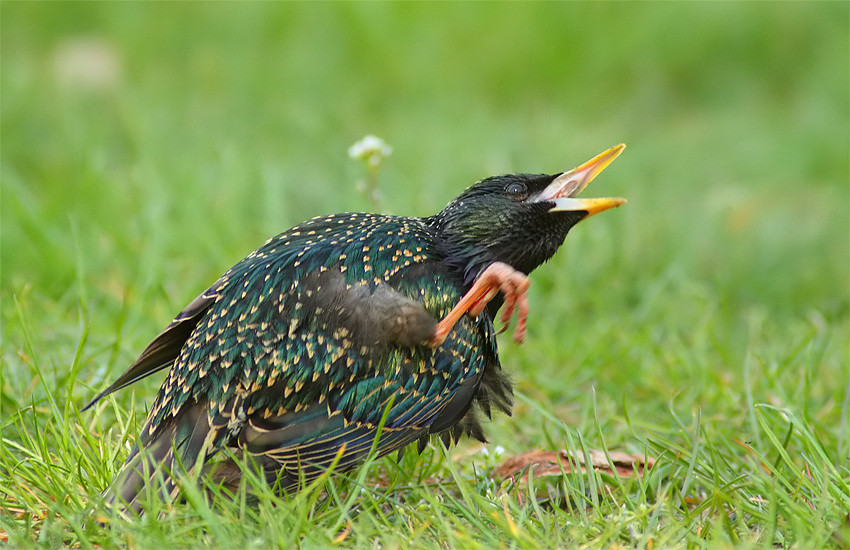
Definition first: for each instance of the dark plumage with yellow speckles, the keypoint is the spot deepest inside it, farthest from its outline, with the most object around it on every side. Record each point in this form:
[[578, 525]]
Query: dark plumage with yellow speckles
[[298, 352]]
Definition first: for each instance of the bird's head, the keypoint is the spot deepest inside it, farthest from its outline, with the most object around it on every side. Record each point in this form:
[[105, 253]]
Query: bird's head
[[519, 219]]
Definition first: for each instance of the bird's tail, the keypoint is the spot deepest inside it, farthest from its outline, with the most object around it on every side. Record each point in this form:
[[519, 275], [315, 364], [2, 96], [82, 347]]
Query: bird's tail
[[175, 447]]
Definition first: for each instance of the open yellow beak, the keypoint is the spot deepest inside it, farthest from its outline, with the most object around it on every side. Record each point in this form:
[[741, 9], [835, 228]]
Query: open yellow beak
[[564, 188]]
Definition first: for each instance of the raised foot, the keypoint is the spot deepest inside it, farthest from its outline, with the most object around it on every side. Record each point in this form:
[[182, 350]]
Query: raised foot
[[498, 277]]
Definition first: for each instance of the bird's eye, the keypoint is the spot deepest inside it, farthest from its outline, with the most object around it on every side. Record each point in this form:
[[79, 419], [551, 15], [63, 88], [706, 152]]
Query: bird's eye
[[517, 191]]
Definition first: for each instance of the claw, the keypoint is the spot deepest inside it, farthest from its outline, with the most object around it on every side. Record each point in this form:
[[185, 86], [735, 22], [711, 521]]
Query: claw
[[498, 277]]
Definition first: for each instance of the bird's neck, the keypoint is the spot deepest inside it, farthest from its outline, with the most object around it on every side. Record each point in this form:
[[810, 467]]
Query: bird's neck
[[462, 254]]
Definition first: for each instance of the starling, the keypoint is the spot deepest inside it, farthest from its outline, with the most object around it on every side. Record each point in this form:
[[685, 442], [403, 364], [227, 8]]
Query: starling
[[328, 336]]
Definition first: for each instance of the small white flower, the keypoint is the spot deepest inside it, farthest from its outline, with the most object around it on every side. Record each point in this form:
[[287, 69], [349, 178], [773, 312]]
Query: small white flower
[[371, 149]]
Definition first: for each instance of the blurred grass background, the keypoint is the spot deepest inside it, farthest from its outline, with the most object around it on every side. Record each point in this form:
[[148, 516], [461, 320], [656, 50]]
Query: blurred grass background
[[148, 147]]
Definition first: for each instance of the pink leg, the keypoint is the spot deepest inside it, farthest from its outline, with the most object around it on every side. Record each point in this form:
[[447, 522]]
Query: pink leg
[[498, 277]]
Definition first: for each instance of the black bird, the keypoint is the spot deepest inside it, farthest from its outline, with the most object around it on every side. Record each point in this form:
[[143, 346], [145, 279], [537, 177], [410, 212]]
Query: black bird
[[297, 353]]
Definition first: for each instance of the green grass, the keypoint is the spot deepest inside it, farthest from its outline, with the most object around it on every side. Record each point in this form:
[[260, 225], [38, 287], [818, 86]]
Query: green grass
[[704, 324]]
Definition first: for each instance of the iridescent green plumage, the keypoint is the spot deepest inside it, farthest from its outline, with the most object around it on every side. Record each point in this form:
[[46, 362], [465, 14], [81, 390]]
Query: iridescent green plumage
[[300, 350]]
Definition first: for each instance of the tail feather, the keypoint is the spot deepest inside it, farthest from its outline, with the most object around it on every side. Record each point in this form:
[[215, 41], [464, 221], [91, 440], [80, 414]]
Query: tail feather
[[175, 447], [139, 472]]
